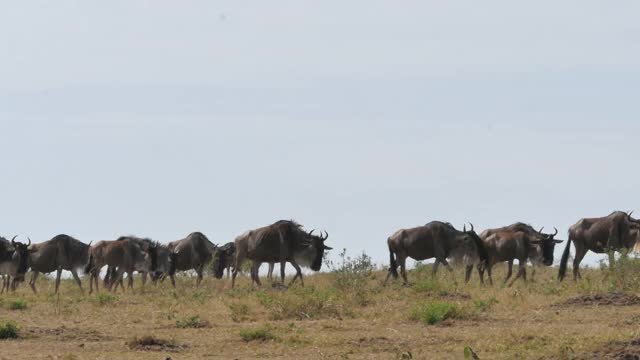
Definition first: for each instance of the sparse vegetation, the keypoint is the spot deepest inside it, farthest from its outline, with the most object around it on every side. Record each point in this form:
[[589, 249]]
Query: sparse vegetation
[[433, 312], [105, 298], [8, 330], [541, 319], [263, 333], [17, 304]]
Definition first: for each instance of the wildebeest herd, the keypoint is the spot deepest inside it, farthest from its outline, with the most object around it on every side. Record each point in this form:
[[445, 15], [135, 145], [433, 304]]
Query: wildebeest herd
[[286, 241]]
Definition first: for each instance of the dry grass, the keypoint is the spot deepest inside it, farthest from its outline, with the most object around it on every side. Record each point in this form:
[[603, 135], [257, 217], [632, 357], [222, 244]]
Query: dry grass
[[334, 316]]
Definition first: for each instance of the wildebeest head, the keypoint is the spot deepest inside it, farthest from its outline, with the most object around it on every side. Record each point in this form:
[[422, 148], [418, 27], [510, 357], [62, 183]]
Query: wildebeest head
[[472, 240], [546, 243], [21, 257], [311, 251]]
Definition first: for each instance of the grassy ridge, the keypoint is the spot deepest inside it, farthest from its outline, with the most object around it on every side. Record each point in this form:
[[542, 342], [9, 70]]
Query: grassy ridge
[[343, 314]]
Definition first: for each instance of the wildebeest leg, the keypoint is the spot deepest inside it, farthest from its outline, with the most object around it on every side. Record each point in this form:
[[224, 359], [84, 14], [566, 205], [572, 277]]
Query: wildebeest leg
[[522, 272], [489, 268], [580, 253], [270, 273], [118, 278], [32, 282], [199, 271], [402, 260], [481, 274], [509, 272], [255, 273], [467, 273], [77, 278], [434, 269], [298, 273], [58, 275], [144, 279]]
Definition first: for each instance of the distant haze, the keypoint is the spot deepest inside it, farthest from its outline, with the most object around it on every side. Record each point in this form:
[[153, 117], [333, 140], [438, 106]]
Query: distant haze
[[159, 118]]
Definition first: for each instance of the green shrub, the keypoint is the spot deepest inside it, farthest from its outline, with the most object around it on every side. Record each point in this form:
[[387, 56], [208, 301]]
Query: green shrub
[[434, 312], [17, 304], [8, 330], [192, 322], [263, 333]]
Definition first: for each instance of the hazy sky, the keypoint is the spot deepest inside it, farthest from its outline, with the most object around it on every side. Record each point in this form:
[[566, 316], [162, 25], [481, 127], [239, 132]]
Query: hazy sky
[[159, 118]]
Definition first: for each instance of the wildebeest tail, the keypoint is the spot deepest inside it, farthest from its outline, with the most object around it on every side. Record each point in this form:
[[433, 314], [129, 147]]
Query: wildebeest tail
[[393, 265], [90, 264], [564, 259]]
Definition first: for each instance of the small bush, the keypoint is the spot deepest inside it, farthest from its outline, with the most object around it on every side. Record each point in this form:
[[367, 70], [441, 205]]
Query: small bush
[[18, 304], [434, 312], [264, 333], [8, 330], [192, 322], [239, 311]]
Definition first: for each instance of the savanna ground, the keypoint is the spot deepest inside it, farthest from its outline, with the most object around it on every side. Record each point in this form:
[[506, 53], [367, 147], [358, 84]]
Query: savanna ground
[[342, 314]]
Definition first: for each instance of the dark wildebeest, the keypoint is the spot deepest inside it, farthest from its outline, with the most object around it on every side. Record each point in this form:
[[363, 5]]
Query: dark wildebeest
[[224, 258], [517, 242], [60, 253], [191, 253], [437, 240], [127, 254], [282, 242], [14, 262], [600, 235], [163, 268]]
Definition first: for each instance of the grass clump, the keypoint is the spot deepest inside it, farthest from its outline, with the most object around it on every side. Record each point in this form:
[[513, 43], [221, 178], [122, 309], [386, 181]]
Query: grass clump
[[17, 304], [484, 305], [105, 299], [152, 343], [8, 330], [239, 311], [351, 277], [192, 322], [433, 312], [263, 333]]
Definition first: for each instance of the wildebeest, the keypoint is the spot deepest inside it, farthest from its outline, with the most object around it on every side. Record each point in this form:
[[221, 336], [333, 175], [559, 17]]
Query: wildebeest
[[224, 258], [437, 240], [600, 235], [163, 268], [283, 241], [62, 252], [127, 254], [520, 242], [14, 262], [191, 253]]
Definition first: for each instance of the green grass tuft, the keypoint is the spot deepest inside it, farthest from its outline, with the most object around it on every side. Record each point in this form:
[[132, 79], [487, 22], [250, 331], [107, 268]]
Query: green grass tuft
[[434, 312], [264, 333], [8, 330]]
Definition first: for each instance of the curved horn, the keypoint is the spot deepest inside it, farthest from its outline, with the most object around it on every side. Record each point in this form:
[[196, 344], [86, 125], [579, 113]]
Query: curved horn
[[472, 229], [540, 231], [29, 241], [464, 228], [556, 231], [629, 214], [311, 232], [326, 235], [13, 240]]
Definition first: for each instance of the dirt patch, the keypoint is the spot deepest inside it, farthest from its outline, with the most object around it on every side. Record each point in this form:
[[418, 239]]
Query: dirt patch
[[67, 334], [150, 343], [618, 350], [608, 299]]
